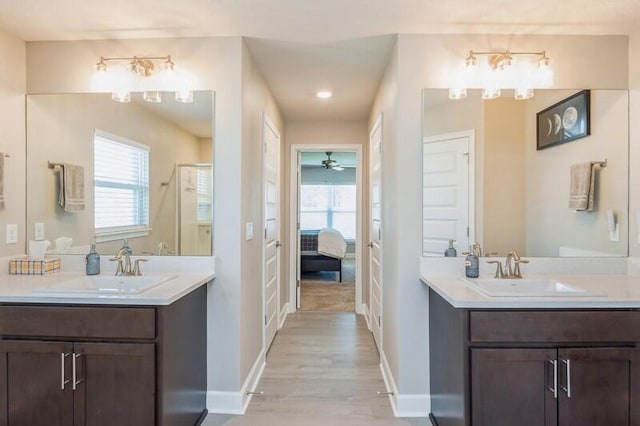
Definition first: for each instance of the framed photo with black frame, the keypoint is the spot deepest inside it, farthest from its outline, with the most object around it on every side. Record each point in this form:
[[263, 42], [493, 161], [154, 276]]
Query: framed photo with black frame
[[564, 121]]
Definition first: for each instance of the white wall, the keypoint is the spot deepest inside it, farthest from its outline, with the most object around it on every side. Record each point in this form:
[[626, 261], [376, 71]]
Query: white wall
[[425, 61], [12, 90], [550, 223], [257, 100], [386, 104]]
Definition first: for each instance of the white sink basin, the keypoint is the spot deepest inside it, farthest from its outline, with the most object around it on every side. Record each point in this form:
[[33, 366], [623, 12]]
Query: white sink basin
[[523, 287], [106, 284]]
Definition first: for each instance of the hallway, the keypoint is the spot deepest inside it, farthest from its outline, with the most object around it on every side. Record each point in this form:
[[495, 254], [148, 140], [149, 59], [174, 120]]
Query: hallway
[[321, 370]]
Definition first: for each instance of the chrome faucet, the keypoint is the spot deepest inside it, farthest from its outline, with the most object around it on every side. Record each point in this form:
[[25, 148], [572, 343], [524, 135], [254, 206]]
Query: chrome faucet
[[511, 266]]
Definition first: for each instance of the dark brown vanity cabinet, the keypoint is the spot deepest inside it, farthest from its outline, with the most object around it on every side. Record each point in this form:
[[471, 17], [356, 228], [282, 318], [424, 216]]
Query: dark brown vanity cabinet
[[533, 367], [51, 383], [103, 366]]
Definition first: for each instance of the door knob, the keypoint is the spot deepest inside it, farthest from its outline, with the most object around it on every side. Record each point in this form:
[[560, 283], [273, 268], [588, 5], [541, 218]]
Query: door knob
[[278, 244], [370, 244]]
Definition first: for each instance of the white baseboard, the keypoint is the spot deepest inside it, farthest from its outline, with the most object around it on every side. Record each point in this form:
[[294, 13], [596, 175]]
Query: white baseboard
[[364, 309], [237, 402], [407, 405], [284, 311]]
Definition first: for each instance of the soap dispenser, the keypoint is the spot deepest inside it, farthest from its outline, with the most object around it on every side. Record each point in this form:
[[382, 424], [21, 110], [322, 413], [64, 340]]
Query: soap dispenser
[[93, 261], [472, 263], [451, 251]]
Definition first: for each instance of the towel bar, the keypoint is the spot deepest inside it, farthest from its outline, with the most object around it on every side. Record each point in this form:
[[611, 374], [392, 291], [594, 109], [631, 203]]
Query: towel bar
[[53, 165], [602, 164]]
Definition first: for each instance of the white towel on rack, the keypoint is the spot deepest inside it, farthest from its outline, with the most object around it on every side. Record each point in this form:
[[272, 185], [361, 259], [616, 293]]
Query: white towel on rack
[[71, 187], [582, 187]]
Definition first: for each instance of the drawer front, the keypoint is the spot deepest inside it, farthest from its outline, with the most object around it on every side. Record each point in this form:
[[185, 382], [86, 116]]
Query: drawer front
[[77, 322], [554, 326]]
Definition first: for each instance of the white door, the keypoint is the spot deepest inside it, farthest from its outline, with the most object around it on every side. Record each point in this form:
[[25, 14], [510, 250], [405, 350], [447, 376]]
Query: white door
[[271, 196], [446, 193], [375, 231]]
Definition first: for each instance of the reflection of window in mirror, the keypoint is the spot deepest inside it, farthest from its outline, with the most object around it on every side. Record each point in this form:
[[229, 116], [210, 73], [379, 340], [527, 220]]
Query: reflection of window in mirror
[[203, 189], [121, 175]]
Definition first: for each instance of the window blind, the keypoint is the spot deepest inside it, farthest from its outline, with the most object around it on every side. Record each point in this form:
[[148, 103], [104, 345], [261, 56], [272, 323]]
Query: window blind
[[121, 182]]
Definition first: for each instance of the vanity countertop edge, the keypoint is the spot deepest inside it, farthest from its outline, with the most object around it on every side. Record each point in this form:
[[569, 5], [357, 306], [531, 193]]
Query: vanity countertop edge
[[19, 289], [620, 291]]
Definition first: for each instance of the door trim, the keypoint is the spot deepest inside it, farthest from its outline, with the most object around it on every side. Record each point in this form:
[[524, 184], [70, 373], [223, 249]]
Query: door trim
[[293, 216]]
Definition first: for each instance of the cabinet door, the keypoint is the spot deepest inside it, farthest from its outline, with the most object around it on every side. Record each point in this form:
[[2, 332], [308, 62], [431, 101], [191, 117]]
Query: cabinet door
[[34, 387], [599, 386], [115, 384], [513, 387]]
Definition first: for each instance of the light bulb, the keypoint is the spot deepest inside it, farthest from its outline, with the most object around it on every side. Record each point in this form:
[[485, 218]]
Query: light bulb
[[522, 93], [184, 96], [490, 93], [123, 97], [457, 93], [152, 96]]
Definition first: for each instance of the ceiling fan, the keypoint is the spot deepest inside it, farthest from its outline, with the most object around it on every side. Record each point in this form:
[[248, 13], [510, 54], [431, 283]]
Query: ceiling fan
[[331, 164]]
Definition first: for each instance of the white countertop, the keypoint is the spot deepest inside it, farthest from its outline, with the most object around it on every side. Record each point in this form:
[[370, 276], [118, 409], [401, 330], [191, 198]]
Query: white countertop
[[614, 291], [20, 289]]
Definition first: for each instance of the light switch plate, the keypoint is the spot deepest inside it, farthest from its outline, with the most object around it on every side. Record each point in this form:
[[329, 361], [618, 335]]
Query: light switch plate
[[249, 231], [12, 233], [39, 231]]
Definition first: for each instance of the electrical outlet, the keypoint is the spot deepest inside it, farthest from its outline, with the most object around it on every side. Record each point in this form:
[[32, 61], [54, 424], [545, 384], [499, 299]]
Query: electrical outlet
[[39, 231], [12, 233]]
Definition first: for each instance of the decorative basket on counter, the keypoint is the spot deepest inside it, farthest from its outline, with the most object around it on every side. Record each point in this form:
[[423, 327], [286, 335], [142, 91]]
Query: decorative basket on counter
[[24, 266]]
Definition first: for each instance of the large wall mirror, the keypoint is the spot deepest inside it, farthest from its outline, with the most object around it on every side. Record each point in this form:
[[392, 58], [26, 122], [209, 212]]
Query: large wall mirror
[[484, 180], [141, 171]]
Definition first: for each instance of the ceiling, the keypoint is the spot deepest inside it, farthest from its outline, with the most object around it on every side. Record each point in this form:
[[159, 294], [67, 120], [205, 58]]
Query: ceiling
[[302, 46]]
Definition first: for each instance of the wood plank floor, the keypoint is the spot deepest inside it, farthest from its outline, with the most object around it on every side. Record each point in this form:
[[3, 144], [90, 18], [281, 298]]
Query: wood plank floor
[[322, 369]]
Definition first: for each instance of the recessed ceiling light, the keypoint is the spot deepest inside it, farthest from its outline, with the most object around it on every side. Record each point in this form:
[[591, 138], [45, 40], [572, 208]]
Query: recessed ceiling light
[[324, 94]]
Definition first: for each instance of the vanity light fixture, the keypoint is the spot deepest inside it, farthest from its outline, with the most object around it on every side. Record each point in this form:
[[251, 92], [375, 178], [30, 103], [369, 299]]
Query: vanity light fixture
[[324, 94], [493, 71], [148, 74]]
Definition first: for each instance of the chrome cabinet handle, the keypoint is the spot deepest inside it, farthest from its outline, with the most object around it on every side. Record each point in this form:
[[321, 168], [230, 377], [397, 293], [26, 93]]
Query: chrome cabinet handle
[[75, 381], [567, 389], [63, 381], [554, 390]]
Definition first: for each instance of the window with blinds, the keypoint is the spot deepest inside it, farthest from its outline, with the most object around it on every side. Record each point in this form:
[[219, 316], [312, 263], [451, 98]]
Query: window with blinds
[[329, 206], [121, 187], [203, 190]]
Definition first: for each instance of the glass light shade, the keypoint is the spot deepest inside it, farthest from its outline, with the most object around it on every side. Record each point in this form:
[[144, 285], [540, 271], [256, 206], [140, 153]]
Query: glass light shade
[[184, 96], [121, 96], [152, 96], [100, 81], [457, 93], [522, 93], [490, 93]]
